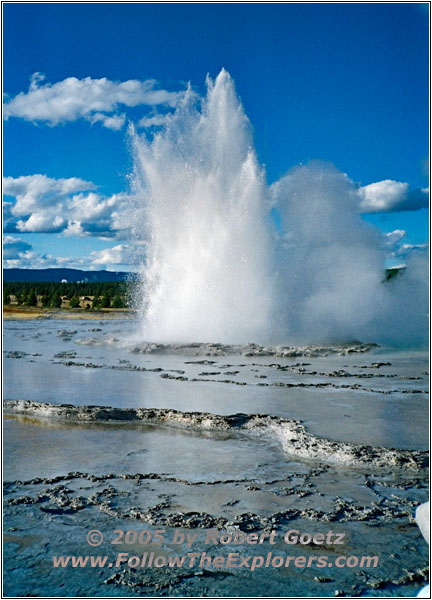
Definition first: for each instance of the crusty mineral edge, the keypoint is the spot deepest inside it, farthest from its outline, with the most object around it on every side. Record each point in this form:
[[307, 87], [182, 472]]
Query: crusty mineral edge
[[294, 438]]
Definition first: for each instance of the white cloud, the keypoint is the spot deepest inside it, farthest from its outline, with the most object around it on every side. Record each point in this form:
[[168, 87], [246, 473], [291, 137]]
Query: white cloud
[[35, 191], [154, 120], [32, 260], [74, 228], [12, 247], [114, 122], [407, 249], [20, 254], [17, 253], [402, 251], [95, 100], [394, 237], [117, 255], [46, 205], [391, 196], [41, 223]]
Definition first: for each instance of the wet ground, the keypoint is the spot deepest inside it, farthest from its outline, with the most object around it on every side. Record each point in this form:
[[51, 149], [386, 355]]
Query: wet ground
[[310, 452]]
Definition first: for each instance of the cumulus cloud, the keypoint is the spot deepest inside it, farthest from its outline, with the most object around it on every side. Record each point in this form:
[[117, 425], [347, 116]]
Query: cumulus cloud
[[47, 205], [12, 247], [95, 100], [406, 250], [41, 222], [34, 191], [117, 255], [18, 253], [155, 120], [403, 251], [394, 237], [114, 122], [391, 196]]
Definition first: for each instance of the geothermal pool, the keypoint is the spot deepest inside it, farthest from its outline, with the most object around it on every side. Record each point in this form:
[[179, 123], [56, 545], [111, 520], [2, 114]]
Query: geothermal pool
[[324, 438]]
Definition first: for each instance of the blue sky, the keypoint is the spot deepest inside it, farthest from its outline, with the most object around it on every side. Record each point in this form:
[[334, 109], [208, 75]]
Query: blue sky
[[344, 83]]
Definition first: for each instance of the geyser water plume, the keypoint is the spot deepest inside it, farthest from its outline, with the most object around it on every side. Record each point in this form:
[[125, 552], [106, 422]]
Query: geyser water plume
[[207, 274], [229, 259]]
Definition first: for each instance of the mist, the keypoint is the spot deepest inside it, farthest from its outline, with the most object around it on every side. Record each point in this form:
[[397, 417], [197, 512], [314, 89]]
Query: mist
[[330, 265], [227, 258]]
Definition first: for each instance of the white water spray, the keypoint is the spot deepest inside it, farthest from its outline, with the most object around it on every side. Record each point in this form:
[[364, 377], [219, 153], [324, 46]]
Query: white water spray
[[208, 271], [220, 268]]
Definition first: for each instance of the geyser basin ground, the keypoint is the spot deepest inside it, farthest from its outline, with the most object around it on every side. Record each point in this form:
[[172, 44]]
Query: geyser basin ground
[[68, 473]]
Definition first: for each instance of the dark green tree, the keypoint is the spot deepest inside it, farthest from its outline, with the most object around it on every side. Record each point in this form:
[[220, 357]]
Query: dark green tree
[[95, 301], [31, 299], [106, 300], [117, 301], [75, 302], [56, 300]]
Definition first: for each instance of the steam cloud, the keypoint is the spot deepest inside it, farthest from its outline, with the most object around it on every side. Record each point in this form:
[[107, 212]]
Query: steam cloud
[[330, 265], [229, 259]]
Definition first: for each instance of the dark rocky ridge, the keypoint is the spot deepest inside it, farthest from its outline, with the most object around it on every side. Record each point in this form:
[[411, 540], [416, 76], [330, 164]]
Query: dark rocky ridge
[[251, 349]]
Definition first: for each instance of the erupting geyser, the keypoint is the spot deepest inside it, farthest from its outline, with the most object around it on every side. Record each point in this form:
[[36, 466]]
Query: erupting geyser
[[229, 259], [208, 273]]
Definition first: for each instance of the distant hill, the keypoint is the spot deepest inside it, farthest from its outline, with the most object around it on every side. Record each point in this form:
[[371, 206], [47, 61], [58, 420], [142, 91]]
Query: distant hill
[[70, 275], [74, 275]]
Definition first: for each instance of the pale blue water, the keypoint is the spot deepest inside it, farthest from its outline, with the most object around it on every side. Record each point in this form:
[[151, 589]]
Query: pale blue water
[[247, 474], [363, 417]]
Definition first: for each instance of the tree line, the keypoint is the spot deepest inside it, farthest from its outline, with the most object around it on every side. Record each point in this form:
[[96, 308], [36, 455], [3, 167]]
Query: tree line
[[89, 295]]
